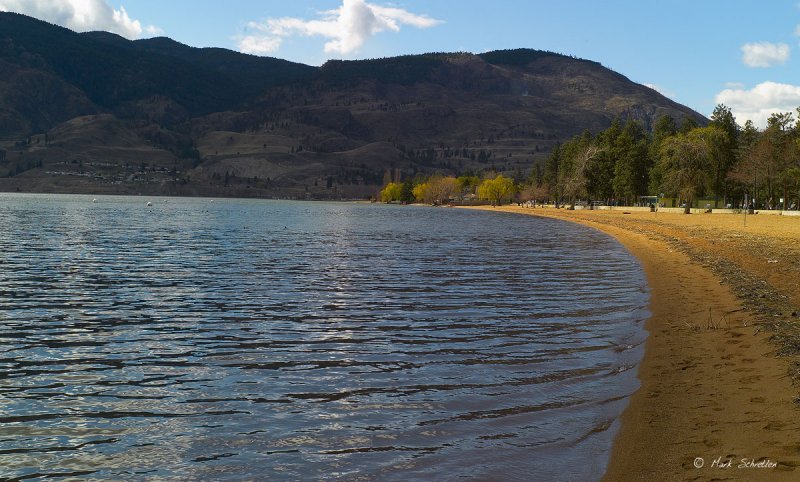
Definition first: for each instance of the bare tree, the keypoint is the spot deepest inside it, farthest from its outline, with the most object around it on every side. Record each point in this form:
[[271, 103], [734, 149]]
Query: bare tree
[[576, 177]]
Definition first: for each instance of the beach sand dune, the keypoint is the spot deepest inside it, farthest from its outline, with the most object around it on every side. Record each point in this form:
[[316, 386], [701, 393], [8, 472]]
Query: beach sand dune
[[716, 401]]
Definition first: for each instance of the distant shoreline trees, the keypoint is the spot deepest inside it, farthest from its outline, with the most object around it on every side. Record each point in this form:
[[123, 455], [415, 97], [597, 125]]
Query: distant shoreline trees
[[438, 189], [497, 189], [722, 162]]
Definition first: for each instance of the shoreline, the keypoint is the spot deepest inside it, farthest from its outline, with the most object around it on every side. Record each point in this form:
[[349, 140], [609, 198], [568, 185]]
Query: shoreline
[[712, 390]]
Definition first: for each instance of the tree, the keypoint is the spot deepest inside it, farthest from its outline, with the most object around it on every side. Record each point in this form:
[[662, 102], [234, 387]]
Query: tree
[[684, 162], [793, 175], [577, 157], [467, 184], [392, 192], [782, 152], [664, 127], [725, 151], [746, 170], [497, 189], [407, 192], [551, 168], [688, 124], [631, 166], [441, 189], [420, 191], [537, 175], [436, 190], [527, 193], [577, 186], [766, 159], [601, 170]]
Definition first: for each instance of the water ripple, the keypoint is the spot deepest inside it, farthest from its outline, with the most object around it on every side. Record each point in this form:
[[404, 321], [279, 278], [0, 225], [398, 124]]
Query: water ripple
[[274, 340]]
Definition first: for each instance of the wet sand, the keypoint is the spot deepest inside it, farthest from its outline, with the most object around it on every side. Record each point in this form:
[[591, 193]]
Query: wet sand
[[715, 396]]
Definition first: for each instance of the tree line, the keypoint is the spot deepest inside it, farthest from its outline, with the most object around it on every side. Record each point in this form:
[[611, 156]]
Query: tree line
[[724, 162], [438, 189], [732, 165]]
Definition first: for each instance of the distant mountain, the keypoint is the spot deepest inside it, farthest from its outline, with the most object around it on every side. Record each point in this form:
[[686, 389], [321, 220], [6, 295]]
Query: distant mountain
[[96, 112]]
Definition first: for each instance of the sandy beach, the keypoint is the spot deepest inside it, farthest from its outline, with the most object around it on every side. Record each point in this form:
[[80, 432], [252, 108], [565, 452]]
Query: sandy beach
[[719, 377]]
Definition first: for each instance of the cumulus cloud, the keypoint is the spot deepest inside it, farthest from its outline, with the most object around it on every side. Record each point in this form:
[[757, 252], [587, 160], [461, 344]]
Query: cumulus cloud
[[764, 54], [348, 27], [758, 103], [81, 15], [152, 30], [257, 45]]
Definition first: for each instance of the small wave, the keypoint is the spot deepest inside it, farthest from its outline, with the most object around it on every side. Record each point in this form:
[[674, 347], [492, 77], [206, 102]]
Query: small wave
[[358, 339]]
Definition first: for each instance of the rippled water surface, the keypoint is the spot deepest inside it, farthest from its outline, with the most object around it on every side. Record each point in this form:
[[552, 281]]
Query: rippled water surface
[[231, 339]]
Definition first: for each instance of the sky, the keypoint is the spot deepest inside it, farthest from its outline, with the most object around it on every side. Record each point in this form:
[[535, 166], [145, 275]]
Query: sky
[[741, 53]]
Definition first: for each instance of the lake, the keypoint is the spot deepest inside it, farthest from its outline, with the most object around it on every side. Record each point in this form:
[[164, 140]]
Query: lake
[[200, 339]]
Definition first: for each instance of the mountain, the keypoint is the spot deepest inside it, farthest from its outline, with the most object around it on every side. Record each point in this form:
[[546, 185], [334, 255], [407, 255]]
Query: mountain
[[94, 112]]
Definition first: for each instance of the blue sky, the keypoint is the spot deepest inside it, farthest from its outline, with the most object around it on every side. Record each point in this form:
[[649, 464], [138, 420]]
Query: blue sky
[[743, 53]]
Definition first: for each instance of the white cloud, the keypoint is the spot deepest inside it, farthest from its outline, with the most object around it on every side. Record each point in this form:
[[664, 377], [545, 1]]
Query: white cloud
[[256, 45], [348, 27], [764, 54], [81, 15], [152, 30], [661, 90], [758, 103]]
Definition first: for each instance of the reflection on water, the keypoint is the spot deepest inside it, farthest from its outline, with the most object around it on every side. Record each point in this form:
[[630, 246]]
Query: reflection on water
[[274, 340]]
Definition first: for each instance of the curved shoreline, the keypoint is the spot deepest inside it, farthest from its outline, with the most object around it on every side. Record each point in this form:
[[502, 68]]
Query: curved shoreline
[[712, 392]]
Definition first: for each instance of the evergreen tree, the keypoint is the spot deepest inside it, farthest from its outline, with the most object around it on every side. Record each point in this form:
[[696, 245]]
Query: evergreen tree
[[688, 124], [664, 127], [551, 169], [724, 153], [632, 162], [407, 192], [601, 173]]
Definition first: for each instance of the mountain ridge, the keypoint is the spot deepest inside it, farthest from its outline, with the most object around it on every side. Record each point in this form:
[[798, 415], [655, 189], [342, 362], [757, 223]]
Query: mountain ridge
[[214, 121]]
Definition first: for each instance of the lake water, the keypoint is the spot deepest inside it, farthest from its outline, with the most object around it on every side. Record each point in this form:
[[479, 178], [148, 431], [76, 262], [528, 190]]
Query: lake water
[[266, 340]]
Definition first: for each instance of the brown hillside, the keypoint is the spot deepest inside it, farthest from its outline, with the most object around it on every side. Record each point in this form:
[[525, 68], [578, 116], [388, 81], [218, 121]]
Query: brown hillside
[[187, 121]]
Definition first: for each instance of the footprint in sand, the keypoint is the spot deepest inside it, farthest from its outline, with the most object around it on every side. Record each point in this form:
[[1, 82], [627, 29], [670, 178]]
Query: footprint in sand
[[750, 379], [777, 426]]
